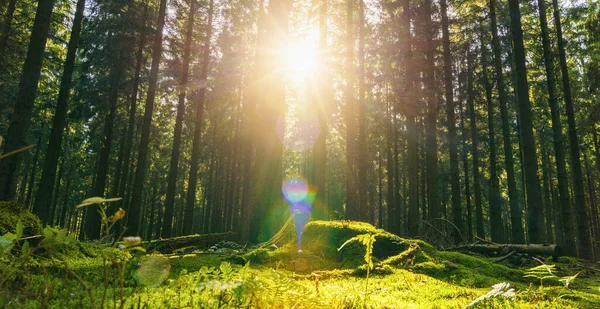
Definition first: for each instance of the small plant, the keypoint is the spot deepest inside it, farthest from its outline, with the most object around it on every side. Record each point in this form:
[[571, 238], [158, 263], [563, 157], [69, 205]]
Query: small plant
[[541, 273], [568, 279], [367, 240], [125, 244]]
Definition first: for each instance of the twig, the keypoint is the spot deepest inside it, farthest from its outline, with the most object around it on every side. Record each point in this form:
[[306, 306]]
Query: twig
[[588, 268], [486, 241], [85, 286], [505, 257], [17, 151]]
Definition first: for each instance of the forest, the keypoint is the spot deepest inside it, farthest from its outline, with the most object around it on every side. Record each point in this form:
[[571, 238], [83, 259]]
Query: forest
[[299, 154]]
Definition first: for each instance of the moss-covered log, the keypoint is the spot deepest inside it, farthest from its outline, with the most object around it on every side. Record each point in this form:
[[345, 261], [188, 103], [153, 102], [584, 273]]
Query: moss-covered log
[[169, 245], [11, 213], [501, 249], [325, 237]]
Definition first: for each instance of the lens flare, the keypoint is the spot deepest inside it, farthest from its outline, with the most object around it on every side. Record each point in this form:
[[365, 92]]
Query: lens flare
[[301, 197], [301, 213], [294, 190]]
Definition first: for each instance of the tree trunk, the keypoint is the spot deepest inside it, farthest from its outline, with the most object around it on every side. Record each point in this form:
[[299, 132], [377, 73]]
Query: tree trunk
[[140, 171], [320, 211], [250, 140], [131, 122], [44, 193], [188, 218], [33, 168], [517, 232], [431, 120], [559, 146], [532, 182], [5, 27], [391, 178], [351, 202], [363, 165], [16, 136], [584, 249], [474, 150], [457, 217], [167, 229], [495, 209], [411, 128]]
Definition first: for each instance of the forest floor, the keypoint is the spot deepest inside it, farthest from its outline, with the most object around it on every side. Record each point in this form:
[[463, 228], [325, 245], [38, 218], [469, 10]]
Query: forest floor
[[405, 274]]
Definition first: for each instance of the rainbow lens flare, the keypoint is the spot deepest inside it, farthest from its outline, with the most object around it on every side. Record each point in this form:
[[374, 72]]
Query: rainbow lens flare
[[300, 196], [294, 190]]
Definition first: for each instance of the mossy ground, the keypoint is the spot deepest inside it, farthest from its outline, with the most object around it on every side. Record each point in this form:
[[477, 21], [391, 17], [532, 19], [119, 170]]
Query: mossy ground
[[319, 277]]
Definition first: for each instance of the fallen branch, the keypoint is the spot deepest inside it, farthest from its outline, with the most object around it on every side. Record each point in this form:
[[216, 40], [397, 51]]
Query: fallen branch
[[494, 250], [505, 257], [169, 245]]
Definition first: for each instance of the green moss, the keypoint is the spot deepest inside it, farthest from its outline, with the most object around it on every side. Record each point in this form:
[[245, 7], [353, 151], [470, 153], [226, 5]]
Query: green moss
[[257, 256], [325, 237], [11, 213]]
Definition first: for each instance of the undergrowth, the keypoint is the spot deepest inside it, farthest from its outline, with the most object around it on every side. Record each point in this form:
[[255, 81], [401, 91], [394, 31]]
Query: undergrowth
[[403, 273]]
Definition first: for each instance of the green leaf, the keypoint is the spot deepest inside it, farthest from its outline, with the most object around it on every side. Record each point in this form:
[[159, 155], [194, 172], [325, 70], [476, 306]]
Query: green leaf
[[97, 200], [226, 268], [355, 238], [25, 250], [5, 242], [19, 229], [137, 249]]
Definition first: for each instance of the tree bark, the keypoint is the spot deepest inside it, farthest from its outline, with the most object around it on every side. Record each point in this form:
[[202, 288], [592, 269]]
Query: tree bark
[[517, 231], [5, 27], [351, 201], [167, 228], [363, 165], [411, 128], [559, 146], [46, 184], [496, 222], [131, 122], [584, 248], [140, 172], [457, 217], [532, 182], [16, 137]]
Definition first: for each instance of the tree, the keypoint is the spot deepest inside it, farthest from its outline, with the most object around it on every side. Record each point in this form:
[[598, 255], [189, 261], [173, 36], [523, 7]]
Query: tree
[[559, 152], [167, 228], [140, 171], [431, 118], [532, 182], [28, 85], [584, 241], [363, 165], [351, 201], [496, 221], [46, 184], [457, 217], [517, 232]]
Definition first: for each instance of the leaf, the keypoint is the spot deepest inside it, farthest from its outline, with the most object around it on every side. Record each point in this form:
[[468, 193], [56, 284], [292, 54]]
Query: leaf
[[226, 268], [137, 249], [97, 200], [5, 242], [19, 229], [25, 250], [119, 214], [355, 238]]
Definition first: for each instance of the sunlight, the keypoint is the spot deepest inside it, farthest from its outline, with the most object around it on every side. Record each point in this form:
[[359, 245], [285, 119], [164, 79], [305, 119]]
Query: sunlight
[[301, 59]]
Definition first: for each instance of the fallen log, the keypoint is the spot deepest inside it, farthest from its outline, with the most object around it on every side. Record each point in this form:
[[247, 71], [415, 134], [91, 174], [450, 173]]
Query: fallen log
[[502, 249], [169, 245]]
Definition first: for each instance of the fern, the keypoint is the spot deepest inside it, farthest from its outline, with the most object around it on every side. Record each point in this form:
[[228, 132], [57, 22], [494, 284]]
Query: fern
[[367, 240]]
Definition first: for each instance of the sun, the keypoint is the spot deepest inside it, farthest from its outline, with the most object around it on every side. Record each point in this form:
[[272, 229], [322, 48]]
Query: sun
[[301, 60]]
